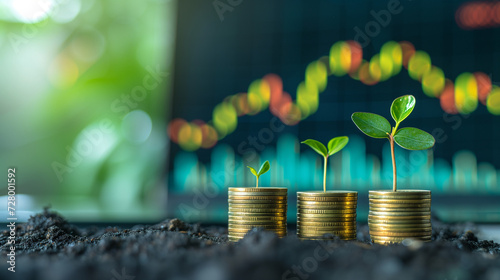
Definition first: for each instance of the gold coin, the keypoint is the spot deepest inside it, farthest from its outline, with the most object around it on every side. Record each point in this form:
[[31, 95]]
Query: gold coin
[[252, 224], [325, 203], [346, 204], [234, 223], [251, 215], [328, 199], [398, 239], [256, 201], [400, 201], [328, 220], [382, 209], [257, 218], [417, 203], [319, 211], [325, 225], [277, 204], [256, 223], [316, 237], [400, 194], [281, 194], [320, 238], [406, 198], [407, 208], [314, 223], [264, 211], [249, 212], [400, 234], [234, 238], [267, 211], [259, 206], [387, 242], [319, 235], [398, 222], [398, 214], [305, 233], [278, 190], [400, 229], [305, 229], [402, 219], [326, 230], [319, 207], [256, 212], [326, 215], [260, 197], [400, 205], [238, 237], [264, 226], [328, 193], [417, 225], [242, 232]]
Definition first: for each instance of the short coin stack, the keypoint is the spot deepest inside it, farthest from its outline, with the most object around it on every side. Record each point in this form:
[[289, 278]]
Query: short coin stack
[[326, 212], [256, 207], [396, 216]]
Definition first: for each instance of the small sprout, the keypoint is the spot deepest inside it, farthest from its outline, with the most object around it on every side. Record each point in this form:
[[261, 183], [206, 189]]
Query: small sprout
[[409, 138], [334, 145], [263, 169]]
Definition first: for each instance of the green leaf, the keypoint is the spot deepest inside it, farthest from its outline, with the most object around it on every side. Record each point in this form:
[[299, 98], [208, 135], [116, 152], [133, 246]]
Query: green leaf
[[372, 125], [336, 144], [317, 146], [412, 138], [402, 107], [254, 172], [264, 168]]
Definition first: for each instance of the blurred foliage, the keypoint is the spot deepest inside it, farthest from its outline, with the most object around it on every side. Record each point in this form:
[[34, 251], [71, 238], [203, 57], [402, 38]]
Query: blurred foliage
[[85, 89]]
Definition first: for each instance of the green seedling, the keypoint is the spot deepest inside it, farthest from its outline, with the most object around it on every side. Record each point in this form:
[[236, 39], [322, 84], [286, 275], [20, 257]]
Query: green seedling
[[263, 169], [334, 145], [409, 138]]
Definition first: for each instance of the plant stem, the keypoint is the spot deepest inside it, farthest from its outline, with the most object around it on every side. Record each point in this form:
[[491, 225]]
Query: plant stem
[[324, 175], [394, 173], [394, 129], [257, 182]]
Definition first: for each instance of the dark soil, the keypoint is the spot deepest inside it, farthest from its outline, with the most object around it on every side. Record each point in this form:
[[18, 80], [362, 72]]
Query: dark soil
[[48, 247]]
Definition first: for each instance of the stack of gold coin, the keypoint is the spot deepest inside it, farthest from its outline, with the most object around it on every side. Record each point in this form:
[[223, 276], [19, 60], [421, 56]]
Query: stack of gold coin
[[326, 212], [396, 216], [256, 207]]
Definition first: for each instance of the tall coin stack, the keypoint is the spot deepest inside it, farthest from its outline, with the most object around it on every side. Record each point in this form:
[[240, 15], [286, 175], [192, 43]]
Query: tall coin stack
[[395, 216], [326, 212], [256, 207]]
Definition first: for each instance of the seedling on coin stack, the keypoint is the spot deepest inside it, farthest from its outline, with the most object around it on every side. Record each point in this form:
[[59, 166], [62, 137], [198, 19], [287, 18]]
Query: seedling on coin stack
[[263, 169], [334, 145], [327, 212], [398, 214], [257, 207]]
